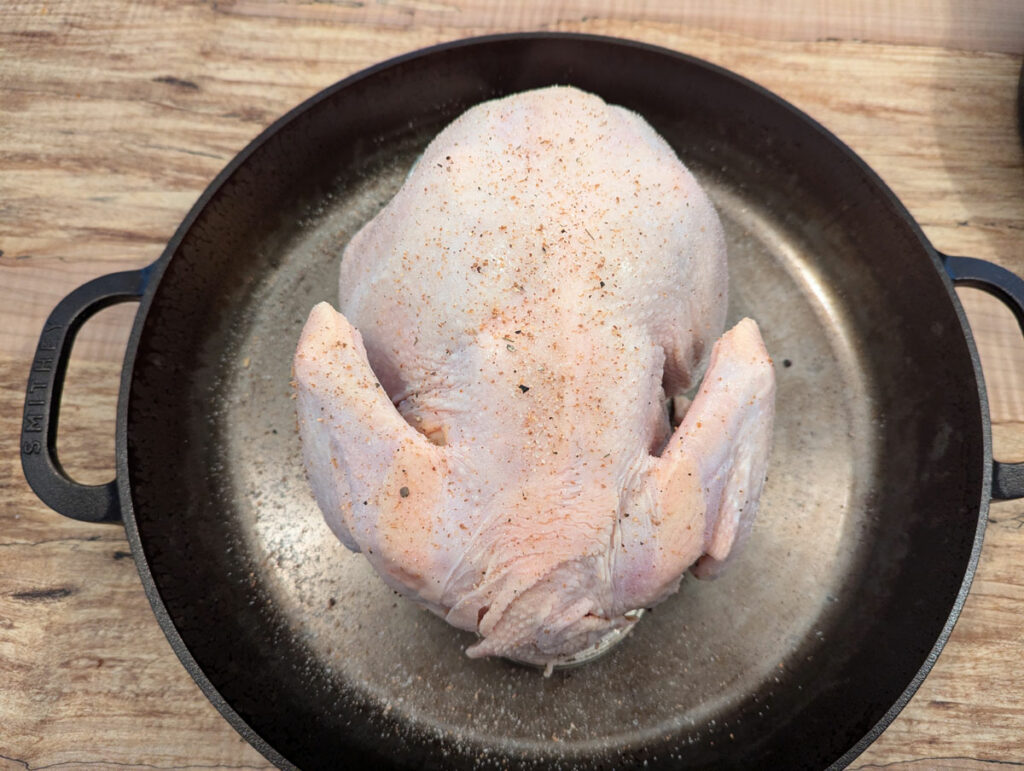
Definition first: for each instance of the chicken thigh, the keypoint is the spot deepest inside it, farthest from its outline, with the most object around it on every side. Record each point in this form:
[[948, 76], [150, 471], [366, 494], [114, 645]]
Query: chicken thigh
[[485, 419]]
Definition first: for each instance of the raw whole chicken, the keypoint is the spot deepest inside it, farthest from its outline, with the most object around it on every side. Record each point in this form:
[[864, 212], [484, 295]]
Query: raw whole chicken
[[486, 418]]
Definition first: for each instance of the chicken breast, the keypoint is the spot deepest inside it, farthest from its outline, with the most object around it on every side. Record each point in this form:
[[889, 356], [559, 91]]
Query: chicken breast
[[486, 419]]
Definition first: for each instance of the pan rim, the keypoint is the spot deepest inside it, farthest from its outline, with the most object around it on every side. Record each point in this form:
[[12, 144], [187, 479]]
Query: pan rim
[[157, 269]]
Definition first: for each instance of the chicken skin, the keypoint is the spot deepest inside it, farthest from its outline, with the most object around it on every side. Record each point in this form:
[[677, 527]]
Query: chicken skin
[[485, 419]]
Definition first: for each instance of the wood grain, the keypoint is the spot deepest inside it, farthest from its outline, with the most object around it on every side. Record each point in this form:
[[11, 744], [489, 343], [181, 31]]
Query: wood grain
[[115, 114]]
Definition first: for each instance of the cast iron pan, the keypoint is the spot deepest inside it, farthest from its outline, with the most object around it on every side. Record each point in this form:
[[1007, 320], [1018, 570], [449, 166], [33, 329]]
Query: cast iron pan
[[872, 517]]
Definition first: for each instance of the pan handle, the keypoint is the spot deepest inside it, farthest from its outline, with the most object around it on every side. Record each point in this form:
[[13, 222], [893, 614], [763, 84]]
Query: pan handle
[[1007, 478], [45, 475]]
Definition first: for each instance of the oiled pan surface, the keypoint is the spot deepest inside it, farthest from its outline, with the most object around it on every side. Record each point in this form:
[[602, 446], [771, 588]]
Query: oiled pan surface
[[867, 520]]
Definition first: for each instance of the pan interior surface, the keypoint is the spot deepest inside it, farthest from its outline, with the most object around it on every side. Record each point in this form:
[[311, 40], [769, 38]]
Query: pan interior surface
[[695, 655], [319, 657]]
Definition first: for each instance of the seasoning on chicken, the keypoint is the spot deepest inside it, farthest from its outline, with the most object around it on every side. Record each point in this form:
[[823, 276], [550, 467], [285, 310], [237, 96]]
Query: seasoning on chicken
[[486, 418]]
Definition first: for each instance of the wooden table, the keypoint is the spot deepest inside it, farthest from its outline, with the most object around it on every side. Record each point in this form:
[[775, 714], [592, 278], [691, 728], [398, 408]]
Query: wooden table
[[115, 114]]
